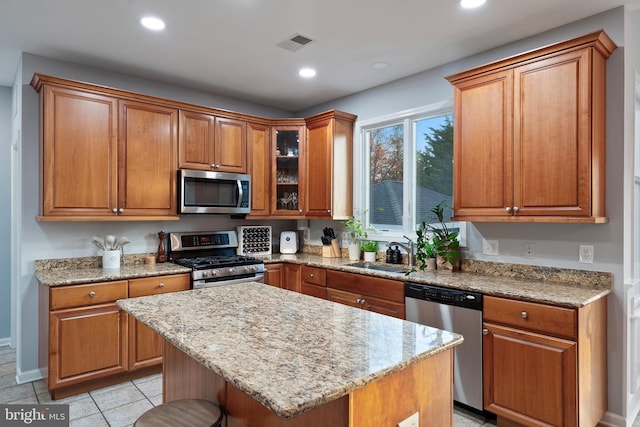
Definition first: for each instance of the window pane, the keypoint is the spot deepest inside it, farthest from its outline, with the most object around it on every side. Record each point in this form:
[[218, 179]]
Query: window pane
[[386, 177], [434, 165]]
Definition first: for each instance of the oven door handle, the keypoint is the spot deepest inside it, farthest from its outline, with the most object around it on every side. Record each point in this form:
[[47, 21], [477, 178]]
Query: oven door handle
[[198, 284]]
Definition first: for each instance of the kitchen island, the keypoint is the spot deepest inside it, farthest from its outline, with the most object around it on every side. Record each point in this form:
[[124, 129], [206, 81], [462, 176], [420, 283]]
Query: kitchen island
[[272, 357]]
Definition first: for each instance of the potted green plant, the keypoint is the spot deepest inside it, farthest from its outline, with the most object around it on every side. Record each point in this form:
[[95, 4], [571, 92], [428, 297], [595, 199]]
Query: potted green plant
[[425, 249], [370, 248], [354, 227], [444, 240]]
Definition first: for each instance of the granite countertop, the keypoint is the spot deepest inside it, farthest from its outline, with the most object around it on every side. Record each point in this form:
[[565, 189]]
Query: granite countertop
[[561, 287], [73, 271], [288, 351], [547, 285]]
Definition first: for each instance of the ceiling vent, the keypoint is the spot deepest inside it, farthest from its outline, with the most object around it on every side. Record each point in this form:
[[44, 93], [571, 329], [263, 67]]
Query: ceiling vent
[[295, 42]]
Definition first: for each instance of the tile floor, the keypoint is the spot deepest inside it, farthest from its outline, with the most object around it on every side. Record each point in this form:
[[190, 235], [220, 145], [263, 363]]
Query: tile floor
[[120, 405]]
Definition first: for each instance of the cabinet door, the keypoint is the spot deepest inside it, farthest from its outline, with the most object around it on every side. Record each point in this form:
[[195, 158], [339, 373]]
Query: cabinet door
[[287, 171], [552, 130], [531, 378], [273, 275], [79, 153], [147, 160], [195, 146], [319, 163], [230, 146], [483, 145], [292, 277], [346, 298], [145, 345], [86, 343], [259, 167], [382, 306]]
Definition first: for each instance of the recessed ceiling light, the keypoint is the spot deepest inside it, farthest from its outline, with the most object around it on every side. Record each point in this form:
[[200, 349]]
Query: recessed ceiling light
[[152, 23], [380, 65], [470, 4], [307, 73]]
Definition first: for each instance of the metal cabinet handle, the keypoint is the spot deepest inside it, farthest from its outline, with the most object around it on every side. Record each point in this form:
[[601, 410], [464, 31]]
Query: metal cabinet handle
[[363, 301], [524, 314], [311, 275], [508, 209], [121, 210], [485, 331], [516, 209], [114, 210], [92, 294], [161, 285]]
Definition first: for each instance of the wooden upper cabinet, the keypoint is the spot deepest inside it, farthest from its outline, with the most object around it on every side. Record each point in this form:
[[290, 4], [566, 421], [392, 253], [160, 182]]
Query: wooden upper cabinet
[[529, 135], [259, 167], [147, 160], [288, 173], [212, 143], [79, 153], [483, 145], [329, 165], [105, 157], [197, 133], [230, 146]]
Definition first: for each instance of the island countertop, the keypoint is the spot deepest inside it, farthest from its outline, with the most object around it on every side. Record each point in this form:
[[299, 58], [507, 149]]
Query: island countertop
[[288, 351]]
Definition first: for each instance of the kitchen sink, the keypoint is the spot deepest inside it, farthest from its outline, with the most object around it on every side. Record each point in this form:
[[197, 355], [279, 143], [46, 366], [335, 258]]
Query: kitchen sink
[[369, 266]]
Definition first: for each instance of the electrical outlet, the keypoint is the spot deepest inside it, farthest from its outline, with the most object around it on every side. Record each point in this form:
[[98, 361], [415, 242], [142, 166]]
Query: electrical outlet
[[412, 421], [529, 249], [586, 254], [489, 247]]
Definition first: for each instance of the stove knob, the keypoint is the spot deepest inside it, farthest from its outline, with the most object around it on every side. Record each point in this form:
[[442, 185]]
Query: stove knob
[[232, 270], [205, 274], [214, 272]]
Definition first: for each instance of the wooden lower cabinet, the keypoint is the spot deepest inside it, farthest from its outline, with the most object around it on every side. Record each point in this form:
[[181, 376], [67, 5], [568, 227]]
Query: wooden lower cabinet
[[87, 342], [274, 275], [384, 296], [291, 274], [313, 281], [545, 365], [145, 346]]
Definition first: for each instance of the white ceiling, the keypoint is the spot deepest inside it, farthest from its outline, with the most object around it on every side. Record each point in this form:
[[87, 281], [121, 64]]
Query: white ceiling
[[229, 46]]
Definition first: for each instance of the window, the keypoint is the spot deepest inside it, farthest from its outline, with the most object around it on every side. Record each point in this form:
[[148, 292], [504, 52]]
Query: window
[[406, 168]]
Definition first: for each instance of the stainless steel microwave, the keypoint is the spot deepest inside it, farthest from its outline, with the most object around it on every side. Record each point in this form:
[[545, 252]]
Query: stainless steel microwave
[[213, 192]]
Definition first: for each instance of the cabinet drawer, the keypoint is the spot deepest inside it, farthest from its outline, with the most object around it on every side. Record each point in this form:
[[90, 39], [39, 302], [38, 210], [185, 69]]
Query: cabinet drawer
[[89, 294], [391, 290], [158, 285], [527, 315], [314, 275]]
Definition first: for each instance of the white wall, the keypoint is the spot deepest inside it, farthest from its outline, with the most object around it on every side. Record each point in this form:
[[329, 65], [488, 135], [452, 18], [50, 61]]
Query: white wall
[[556, 245], [44, 240], [5, 214]]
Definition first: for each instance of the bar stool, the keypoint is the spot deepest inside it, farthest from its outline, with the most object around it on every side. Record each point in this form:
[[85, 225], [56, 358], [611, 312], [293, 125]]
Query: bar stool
[[182, 413]]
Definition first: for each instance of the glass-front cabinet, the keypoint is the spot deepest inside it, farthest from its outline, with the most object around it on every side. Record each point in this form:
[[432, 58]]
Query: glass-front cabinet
[[288, 170]]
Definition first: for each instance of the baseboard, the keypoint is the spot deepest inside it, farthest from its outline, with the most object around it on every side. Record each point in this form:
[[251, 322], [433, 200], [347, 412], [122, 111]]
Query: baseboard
[[28, 376], [613, 420], [5, 341]]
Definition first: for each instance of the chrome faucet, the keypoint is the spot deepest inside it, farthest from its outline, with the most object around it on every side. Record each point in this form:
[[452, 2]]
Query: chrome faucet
[[407, 247]]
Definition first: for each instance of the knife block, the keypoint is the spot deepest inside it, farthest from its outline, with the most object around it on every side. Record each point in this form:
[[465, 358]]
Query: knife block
[[332, 251]]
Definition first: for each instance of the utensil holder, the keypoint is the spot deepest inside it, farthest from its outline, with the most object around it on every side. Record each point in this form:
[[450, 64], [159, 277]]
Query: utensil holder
[[111, 259]]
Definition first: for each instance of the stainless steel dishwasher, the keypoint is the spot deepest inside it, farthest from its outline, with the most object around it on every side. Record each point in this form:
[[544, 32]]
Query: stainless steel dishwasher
[[460, 312]]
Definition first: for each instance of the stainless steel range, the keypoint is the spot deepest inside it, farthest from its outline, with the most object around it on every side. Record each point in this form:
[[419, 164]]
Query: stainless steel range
[[212, 257]]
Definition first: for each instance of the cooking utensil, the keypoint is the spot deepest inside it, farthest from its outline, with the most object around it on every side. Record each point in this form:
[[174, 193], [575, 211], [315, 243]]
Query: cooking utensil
[[99, 243], [109, 240], [121, 242]]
